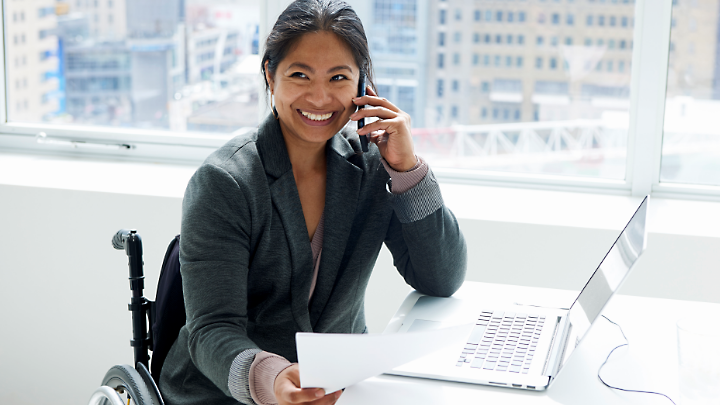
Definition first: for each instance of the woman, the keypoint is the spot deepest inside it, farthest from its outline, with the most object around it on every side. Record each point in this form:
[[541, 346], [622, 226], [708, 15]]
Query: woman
[[281, 228]]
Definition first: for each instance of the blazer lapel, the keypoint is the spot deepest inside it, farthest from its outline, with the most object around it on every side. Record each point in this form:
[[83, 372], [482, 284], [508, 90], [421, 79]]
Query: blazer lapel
[[341, 199], [286, 200]]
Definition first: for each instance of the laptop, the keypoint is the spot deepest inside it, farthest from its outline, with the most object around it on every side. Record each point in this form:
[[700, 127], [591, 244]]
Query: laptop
[[522, 346]]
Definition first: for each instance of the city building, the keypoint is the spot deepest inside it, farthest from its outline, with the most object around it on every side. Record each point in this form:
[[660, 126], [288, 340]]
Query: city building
[[495, 62], [31, 60], [107, 19], [397, 32]]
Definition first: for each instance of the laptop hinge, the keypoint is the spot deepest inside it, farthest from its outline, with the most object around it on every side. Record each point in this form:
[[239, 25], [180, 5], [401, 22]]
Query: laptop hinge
[[557, 346]]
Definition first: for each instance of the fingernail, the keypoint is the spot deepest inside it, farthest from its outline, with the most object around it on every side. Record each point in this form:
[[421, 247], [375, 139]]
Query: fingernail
[[319, 393]]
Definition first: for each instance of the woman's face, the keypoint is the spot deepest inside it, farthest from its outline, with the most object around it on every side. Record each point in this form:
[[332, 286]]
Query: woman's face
[[313, 87]]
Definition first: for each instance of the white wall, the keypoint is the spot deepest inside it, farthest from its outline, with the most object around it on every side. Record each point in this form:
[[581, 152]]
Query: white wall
[[64, 289]]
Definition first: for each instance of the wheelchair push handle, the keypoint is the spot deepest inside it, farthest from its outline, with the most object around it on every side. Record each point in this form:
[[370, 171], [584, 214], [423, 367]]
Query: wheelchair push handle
[[140, 307]]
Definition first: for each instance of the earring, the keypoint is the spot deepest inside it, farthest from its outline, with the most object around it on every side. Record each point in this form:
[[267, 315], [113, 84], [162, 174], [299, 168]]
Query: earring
[[272, 104]]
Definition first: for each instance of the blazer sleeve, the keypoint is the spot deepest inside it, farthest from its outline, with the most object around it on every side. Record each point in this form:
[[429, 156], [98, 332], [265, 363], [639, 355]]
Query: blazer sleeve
[[214, 258], [425, 240]]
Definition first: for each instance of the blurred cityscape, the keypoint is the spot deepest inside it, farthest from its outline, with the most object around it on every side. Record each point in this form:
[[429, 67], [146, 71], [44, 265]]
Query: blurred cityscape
[[538, 86]]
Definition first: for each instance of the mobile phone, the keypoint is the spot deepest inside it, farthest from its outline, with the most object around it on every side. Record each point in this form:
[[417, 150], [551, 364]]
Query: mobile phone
[[362, 89]]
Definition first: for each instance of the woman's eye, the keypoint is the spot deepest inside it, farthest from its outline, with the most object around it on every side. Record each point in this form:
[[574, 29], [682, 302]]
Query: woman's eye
[[298, 74], [339, 77]]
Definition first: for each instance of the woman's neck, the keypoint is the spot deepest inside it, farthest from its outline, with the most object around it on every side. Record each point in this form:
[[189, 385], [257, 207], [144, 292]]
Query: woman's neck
[[306, 158]]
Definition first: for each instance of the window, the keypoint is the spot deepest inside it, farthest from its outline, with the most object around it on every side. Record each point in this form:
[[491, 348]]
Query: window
[[690, 148], [99, 82]]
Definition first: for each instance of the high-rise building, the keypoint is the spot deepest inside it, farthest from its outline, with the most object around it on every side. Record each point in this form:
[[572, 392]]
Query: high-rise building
[[31, 60], [535, 60], [397, 32], [107, 19]]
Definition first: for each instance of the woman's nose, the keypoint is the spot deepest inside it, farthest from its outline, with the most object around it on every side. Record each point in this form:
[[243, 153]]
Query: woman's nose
[[319, 95]]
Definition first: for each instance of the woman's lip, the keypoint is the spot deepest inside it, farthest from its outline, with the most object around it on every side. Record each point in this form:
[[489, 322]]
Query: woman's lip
[[317, 123]]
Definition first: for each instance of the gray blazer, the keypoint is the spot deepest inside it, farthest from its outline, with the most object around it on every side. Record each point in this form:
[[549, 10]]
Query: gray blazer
[[247, 263]]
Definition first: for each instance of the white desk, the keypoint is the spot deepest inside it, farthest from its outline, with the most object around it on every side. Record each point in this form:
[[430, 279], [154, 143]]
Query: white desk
[[650, 363]]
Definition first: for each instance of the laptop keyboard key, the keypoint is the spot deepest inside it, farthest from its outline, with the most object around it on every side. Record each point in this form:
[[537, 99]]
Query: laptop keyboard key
[[476, 363], [476, 335]]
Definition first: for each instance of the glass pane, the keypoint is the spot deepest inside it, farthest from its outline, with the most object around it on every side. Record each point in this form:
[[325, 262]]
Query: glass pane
[[177, 65], [535, 86], [691, 142]]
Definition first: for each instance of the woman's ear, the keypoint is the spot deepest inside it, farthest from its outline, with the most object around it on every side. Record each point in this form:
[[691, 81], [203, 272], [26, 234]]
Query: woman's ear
[[268, 77]]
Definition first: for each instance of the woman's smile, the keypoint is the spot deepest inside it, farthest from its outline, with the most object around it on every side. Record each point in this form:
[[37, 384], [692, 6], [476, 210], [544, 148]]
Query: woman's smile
[[317, 119]]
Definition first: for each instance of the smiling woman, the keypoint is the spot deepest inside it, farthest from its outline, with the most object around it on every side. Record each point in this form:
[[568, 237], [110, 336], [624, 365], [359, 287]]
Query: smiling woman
[[282, 227]]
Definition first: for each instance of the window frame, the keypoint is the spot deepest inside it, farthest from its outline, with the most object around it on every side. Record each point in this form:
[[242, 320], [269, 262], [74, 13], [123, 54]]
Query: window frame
[[652, 24]]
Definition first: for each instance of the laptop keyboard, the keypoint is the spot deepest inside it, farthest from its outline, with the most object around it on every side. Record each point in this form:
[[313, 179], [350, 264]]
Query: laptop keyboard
[[503, 341]]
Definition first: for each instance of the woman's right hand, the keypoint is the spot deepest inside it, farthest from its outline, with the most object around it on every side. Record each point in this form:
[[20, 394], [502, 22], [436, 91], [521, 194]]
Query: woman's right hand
[[288, 391]]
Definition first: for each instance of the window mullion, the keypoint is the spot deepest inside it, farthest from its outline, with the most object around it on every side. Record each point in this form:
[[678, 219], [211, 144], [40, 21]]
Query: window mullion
[[649, 80], [3, 61]]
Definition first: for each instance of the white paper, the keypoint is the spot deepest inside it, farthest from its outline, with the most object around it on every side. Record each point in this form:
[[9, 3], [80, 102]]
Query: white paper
[[333, 361]]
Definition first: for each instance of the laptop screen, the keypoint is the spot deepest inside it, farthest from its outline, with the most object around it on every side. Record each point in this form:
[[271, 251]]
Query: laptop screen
[[609, 275]]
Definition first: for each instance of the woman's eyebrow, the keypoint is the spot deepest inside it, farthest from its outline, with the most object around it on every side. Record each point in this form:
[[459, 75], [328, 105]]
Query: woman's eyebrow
[[342, 67], [302, 66]]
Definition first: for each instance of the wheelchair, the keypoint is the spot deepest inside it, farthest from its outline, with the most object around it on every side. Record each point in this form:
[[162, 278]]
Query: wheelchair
[[155, 326]]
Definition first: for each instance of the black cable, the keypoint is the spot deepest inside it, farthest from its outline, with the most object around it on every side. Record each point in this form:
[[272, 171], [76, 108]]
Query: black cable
[[627, 343]]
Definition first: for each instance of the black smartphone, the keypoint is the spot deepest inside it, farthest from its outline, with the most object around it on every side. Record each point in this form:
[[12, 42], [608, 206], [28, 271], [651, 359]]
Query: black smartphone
[[362, 91]]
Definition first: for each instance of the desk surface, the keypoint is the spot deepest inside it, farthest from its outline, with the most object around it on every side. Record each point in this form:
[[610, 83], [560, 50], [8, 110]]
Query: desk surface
[[650, 363]]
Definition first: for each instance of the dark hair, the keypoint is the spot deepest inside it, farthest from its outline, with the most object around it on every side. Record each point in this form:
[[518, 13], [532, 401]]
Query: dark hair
[[306, 16]]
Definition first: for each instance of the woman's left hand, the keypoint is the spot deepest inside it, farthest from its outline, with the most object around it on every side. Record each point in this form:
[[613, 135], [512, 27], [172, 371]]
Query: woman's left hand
[[391, 133]]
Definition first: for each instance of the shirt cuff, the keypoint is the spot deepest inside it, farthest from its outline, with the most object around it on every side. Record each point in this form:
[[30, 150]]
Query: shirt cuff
[[263, 371], [239, 375], [401, 182]]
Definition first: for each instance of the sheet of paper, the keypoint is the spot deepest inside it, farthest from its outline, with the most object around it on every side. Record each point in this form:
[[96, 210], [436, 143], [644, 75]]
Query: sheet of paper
[[334, 361]]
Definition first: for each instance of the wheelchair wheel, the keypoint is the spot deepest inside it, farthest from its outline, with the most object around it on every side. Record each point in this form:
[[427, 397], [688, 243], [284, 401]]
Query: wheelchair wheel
[[128, 383]]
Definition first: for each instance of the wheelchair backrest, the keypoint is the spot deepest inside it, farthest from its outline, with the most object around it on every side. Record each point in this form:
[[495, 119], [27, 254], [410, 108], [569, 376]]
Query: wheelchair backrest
[[169, 308]]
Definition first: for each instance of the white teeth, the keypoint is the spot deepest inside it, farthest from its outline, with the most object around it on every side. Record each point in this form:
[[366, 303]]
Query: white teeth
[[316, 117]]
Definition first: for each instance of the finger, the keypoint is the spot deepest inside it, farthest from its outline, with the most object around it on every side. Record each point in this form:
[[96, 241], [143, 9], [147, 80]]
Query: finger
[[390, 126], [375, 101], [370, 91], [328, 399], [379, 112], [297, 395]]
